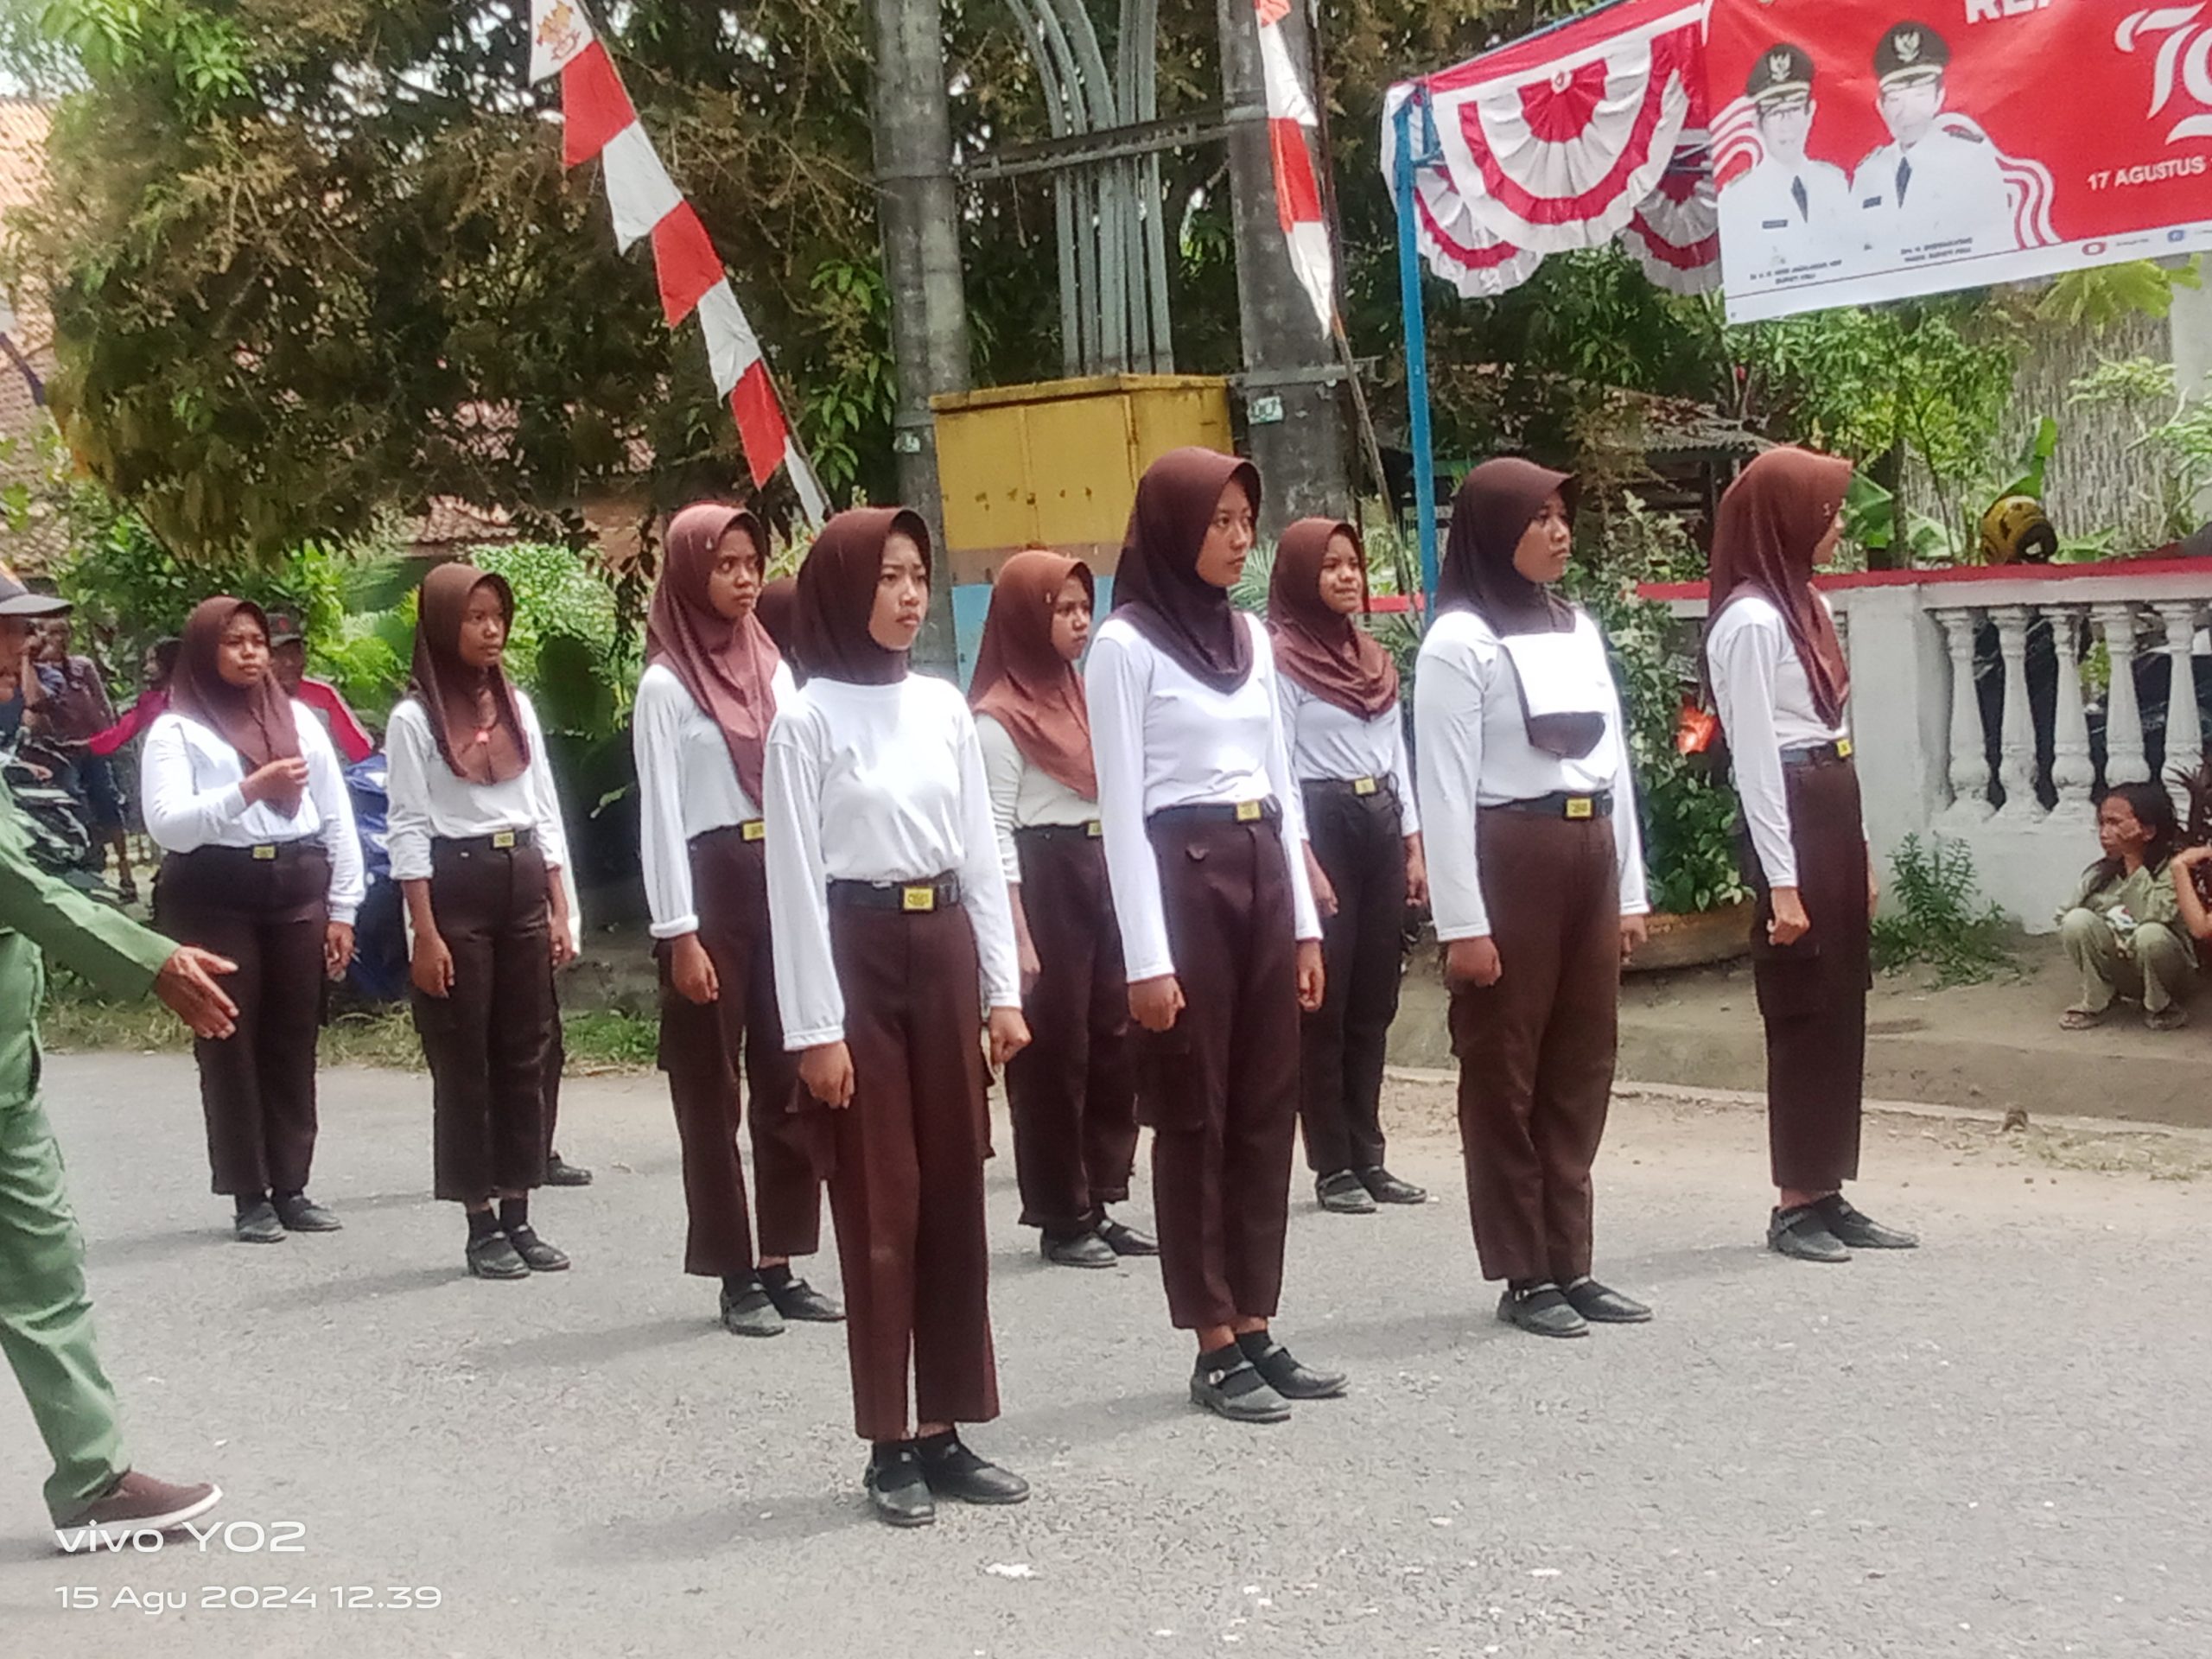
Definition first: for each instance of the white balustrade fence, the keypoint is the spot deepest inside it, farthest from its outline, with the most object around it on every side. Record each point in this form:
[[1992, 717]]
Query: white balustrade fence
[[1931, 699]]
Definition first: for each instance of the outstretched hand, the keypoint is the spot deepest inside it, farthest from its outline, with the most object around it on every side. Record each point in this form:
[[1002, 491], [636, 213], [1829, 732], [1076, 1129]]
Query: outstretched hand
[[186, 983]]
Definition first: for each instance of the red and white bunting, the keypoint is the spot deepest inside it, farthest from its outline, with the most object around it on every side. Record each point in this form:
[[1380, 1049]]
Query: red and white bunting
[[599, 122], [1298, 193]]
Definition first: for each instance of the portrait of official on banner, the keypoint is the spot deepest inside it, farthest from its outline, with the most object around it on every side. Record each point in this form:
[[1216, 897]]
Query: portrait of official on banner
[[1871, 149]]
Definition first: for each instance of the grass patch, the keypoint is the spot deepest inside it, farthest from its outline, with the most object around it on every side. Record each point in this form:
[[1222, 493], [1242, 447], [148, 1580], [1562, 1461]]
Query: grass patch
[[600, 1040], [1933, 914]]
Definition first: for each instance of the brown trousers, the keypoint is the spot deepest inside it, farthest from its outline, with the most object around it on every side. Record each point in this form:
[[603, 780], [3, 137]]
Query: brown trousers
[[1813, 994], [906, 1183], [700, 1046], [1073, 1092], [1219, 1088], [258, 1085], [1360, 843], [486, 1041], [1536, 1049]]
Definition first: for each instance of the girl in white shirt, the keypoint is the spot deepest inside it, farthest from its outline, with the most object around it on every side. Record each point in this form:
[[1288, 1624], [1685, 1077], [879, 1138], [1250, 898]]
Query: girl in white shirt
[[894, 954], [1072, 1093], [242, 792], [477, 849], [1780, 681], [1536, 877], [1346, 732], [712, 682], [1204, 837]]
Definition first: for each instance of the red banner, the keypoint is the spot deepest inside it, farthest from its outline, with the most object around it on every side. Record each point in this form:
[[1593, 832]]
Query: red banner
[[1865, 151]]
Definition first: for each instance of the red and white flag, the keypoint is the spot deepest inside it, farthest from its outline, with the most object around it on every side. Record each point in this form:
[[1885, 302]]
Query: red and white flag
[[599, 121], [1298, 194]]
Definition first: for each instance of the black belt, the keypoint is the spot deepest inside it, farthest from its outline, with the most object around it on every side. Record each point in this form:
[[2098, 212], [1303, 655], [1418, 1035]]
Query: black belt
[[1091, 830], [1267, 812], [1819, 755], [1358, 788], [909, 898], [499, 841], [1560, 804], [266, 852], [752, 831]]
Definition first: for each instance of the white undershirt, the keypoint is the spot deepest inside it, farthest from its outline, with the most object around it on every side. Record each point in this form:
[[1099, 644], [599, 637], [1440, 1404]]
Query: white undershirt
[[687, 785], [190, 789], [1329, 743], [875, 783], [1162, 738], [1766, 706], [1024, 796], [1472, 740], [429, 801]]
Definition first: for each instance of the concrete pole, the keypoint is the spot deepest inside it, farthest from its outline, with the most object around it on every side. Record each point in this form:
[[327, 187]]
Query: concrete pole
[[916, 213], [1295, 420]]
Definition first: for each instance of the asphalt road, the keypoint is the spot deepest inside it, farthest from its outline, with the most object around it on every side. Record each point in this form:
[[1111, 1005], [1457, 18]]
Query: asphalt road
[[1995, 1446]]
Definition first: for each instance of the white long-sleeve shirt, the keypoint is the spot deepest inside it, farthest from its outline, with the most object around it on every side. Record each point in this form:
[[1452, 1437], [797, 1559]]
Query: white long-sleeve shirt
[[1472, 750], [1024, 796], [429, 801], [884, 784], [687, 785], [191, 789], [1328, 742], [1162, 738], [1766, 706]]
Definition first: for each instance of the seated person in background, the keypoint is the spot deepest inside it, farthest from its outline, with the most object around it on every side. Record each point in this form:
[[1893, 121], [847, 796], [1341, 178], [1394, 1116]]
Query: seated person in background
[[2122, 928]]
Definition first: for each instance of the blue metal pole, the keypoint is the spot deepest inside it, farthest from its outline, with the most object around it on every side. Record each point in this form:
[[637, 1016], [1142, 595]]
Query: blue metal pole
[[1416, 326]]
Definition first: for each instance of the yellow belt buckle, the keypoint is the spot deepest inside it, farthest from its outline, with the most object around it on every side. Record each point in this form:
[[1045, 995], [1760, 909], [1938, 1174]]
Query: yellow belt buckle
[[1248, 811], [1843, 748], [1094, 828], [1581, 806], [921, 899], [265, 853], [503, 839], [754, 829], [1363, 785]]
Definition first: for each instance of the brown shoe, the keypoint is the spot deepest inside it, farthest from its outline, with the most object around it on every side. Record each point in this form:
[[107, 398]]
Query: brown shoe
[[134, 1504]]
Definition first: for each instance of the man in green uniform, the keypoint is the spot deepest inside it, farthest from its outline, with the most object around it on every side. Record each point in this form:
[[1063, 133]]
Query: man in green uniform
[[46, 1323]]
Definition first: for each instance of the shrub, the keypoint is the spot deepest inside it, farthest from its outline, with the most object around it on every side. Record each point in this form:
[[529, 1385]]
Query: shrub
[[1934, 915]]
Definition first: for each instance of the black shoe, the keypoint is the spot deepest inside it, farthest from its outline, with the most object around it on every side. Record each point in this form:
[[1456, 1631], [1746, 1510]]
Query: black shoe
[[1385, 1188], [302, 1214], [1343, 1192], [1602, 1305], [1543, 1310], [560, 1172], [1083, 1250], [1801, 1232], [952, 1471], [538, 1255], [492, 1257], [1859, 1232], [797, 1300], [752, 1313], [1285, 1374], [1228, 1385], [259, 1225], [898, 1491], [1128, 1240]]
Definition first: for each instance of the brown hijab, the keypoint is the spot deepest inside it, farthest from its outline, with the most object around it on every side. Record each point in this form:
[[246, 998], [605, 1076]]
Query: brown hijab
[[1330, 655], [1023, 683], [1157, 585], [729, 668], [836, 595], [1495, 504], [471, 711], [255, 719], [1772, 518], [778, 609]]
